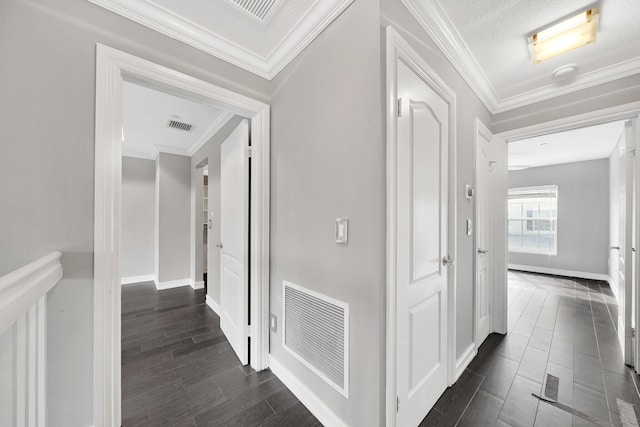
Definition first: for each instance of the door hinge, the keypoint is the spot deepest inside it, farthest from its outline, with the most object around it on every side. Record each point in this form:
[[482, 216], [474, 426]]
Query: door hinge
[[397, 404], [633, 332], [249, 152], [399, 107], [249, 331]]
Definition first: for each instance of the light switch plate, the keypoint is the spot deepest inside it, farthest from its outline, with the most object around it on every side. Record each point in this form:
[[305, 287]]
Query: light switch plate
[[342, 230]]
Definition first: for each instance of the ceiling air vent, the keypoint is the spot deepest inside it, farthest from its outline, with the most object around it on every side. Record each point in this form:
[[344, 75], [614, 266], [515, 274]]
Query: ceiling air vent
[[179, 125], [258, 8]]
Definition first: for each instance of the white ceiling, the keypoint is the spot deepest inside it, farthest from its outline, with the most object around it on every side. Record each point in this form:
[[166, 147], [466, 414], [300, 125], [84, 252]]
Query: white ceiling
[[487, 42], [589, 143], [146, 113], [224, 30]]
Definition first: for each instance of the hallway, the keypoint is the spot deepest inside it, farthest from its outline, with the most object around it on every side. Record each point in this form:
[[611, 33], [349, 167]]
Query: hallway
[[561, 345], [179, 370]]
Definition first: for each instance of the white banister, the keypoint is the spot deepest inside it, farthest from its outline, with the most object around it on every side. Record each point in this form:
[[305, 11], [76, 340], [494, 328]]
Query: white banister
[[23, 312]]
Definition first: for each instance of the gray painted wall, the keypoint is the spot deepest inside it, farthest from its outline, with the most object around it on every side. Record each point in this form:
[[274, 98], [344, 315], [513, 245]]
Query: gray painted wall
[[174, 217], [211, 152], [327, 162], [468, 108], [610, 94], [583, 215], [47, 108], [137, 238]]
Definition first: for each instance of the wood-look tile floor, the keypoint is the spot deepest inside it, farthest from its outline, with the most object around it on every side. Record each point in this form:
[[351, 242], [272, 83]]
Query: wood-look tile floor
[[557, 326], [178, 368]]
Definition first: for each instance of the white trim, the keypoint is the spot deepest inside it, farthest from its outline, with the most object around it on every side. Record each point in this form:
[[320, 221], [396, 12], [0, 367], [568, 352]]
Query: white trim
[[169, 284], [312, 402], [138, 279], [165, 22], [560, 272], [397, 47], [434, 20], [464, 360], [610, 114], [197, 285], [22, 288], [212, 304], [344, 391], [112, 66]]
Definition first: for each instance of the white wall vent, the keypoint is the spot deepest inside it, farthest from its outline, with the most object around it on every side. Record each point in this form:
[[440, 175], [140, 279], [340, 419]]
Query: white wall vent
[[258, 8], [179, 125], [316, 332]]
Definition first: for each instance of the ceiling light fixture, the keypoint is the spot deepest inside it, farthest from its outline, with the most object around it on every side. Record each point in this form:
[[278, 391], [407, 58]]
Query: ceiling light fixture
[[567, 35]]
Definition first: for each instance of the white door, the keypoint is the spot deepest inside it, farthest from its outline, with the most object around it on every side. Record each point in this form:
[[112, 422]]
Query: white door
[[234, 240], [483, 232], [421, 274]]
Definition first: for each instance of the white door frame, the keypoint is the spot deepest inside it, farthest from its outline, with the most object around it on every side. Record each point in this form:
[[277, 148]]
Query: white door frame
[[398, 49], [112, 67], [618, 112]]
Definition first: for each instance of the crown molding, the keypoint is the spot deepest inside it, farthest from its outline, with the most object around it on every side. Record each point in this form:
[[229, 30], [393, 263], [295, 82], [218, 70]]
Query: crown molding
[[172, 25], [208, 133], [433, 19], [439, 27]]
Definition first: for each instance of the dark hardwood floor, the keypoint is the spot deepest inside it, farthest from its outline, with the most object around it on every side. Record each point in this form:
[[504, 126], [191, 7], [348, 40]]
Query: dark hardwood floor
[[561, 345], [178, 369]]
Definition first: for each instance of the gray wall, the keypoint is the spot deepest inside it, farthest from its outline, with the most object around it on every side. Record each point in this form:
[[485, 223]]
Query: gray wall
[[174, 217], [327, 162], [583, 215], [47, 107], [211, 152], [137, 238], [610, 94], [468, 108]]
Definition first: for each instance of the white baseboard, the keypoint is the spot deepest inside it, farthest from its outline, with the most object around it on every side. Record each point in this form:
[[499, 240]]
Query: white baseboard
[[465, 359], [198, 285], [312, 402], [559, 272], [173, 284], [138, 279], [214, 305]]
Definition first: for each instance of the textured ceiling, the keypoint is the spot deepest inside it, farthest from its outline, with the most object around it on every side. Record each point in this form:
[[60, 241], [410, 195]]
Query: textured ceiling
[[146, 113], [576, 145], [487, 41]]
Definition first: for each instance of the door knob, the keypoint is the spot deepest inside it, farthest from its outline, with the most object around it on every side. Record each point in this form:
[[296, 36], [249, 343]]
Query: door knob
[[447, 261], [219, 245], [483, 251]]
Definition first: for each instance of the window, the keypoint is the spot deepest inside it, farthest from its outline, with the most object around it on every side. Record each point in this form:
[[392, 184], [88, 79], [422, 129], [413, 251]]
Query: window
[[533, 220]]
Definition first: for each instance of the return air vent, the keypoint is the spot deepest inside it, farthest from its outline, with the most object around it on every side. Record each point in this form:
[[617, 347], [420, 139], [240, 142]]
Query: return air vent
[[316, 332], [258, 8], [179, 125]]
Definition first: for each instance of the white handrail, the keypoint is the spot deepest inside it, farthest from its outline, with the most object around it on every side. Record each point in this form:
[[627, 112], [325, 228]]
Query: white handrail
[[22, 288]]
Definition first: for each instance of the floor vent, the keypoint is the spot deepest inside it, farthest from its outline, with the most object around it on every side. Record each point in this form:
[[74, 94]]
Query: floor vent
[[179, 125], [258, 8], [316, 332]]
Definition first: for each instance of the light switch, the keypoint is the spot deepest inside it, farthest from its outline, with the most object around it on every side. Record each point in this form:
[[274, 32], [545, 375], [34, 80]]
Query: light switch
[[342, 230]]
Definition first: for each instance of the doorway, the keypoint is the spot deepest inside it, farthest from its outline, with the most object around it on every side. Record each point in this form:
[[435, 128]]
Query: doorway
[[618, 258], [114, 67]]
